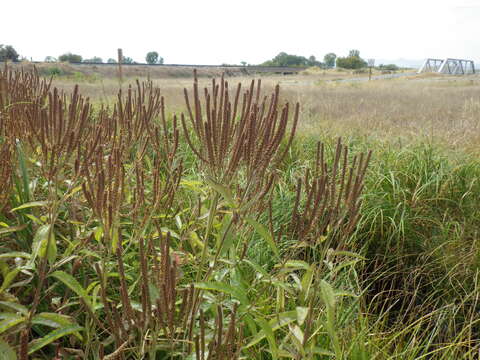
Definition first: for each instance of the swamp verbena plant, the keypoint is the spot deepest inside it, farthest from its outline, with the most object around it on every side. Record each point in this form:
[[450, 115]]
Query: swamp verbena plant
[[110, 249]]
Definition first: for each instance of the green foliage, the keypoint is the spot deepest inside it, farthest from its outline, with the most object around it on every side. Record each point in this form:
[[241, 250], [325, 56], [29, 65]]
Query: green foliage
[[312, 61], [50, 59], [94, 59], [354, 53], [111, 61], [69, 57], [352, 61], [127, 60], [388, 67], [284, 59], [153, 58], [329, 60], [7, 52], [52, 71]]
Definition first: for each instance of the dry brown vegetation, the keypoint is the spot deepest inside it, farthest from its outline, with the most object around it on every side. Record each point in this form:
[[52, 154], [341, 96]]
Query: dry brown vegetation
[[443, 109], [446, 112]]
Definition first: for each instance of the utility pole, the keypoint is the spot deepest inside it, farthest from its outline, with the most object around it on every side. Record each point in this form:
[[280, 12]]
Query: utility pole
[[120, 61], [371, 64]]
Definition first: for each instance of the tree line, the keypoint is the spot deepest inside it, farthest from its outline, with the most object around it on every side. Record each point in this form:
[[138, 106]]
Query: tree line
[[8, 53], [151, 58], [352, 61], [330, 60]]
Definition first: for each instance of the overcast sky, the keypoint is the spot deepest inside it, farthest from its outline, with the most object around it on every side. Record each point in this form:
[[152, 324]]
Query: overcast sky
[[224, 31]]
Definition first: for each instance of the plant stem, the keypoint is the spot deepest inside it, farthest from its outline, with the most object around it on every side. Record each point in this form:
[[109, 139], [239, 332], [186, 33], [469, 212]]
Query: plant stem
[[211, 216]]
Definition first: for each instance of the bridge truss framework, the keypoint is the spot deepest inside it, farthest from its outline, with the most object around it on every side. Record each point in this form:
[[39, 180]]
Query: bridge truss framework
[[448, 66]]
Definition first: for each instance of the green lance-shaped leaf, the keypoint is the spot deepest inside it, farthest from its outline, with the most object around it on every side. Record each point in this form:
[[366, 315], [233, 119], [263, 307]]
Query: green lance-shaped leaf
[[276, 323], [52, 336], [73, 285], [16, 307], [54, 320], [15, 254], [225, 288], [265, 234], [222, 190], [30, 205], [268, 332], [44, 244], [9, 320], [11, 229], [328, 296], [8, 279]]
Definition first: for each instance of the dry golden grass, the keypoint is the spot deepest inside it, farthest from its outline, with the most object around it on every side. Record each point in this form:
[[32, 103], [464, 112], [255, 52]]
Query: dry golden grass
[[440, 109]]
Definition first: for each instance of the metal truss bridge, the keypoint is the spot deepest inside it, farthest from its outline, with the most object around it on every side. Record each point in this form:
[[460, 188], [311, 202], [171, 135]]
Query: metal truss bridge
[[448, 66]]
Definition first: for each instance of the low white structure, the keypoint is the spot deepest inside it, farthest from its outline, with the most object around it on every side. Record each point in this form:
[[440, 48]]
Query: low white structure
[[448, 66]]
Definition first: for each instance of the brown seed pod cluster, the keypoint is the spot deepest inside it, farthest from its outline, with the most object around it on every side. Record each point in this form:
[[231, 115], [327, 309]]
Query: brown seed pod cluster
[[328, 200], [226, 141], [20, 93], [6, 168], [239, 135]]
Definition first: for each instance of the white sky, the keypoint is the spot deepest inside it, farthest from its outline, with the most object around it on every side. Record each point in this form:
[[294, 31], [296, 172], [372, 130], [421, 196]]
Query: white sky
[[216, 31]]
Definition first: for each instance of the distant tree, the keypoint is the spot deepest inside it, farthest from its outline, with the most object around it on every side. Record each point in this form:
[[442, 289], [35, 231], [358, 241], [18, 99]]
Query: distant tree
[[127, 60], [390, 67], [352, 61], [354, 53], [111, 61], [8, 53], [329, 60], [94, 59], [50, 59], [152, 57], [284, 59], [71, 58], [312, 61]]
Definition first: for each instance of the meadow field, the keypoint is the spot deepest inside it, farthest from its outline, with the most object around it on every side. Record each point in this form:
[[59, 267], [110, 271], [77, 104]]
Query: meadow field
[[295, 217]]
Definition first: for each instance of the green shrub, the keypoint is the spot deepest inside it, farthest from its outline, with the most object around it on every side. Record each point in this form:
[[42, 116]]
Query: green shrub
[[390, 67], [71, 58], [52, 71], [351, 62]]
